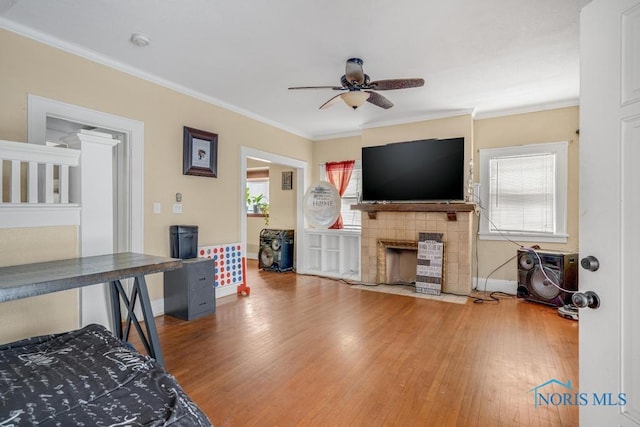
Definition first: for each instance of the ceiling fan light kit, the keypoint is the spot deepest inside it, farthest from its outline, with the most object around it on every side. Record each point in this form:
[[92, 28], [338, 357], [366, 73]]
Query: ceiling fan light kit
[[355, 99], [360, 89]]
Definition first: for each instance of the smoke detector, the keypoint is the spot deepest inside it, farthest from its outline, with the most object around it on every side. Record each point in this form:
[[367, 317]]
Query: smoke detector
[[140, 40]]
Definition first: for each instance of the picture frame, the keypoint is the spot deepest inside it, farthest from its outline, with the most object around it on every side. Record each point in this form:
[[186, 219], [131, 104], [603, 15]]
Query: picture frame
[[287, 180], [199, 153]]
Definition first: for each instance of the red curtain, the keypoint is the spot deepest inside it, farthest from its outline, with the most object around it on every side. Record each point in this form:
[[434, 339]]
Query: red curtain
[[339, 174]]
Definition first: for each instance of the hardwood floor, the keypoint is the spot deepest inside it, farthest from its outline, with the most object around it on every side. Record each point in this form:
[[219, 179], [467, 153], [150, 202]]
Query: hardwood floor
[[302, 350]]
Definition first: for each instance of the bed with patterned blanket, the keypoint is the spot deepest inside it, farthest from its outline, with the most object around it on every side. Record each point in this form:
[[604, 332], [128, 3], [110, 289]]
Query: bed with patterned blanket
[[88, 378]]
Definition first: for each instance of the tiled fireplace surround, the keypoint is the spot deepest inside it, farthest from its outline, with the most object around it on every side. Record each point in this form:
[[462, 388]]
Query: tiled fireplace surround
[[401, 228]]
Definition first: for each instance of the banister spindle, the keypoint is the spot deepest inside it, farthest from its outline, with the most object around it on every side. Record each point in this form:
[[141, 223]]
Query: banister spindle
[[15, 181]]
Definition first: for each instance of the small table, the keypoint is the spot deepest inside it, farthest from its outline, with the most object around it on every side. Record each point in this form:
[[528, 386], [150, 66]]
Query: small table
[[23, 281]]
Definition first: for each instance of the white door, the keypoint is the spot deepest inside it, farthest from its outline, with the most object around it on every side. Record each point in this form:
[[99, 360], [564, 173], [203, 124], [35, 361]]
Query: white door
[[609, 208]]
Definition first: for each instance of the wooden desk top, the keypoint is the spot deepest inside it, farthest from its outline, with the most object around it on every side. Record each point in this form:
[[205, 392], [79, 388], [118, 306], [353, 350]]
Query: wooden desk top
[[23, 281]]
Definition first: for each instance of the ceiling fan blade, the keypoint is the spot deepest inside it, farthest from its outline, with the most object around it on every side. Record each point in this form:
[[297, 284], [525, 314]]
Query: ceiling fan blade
[[379, 100], [396, 84], [330, 102], [317, 87], [353, 71]]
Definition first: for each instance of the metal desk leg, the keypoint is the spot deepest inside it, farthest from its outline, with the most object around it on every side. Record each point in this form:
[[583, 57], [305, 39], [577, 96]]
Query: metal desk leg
[[116, 315], [149, 322], [139, 292]]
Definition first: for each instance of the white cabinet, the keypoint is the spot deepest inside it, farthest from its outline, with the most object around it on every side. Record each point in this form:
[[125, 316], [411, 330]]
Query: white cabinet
[[333, 253]]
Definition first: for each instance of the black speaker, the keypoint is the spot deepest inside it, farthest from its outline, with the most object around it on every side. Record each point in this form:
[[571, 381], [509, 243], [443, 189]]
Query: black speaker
[[276, 250], [538, 269]]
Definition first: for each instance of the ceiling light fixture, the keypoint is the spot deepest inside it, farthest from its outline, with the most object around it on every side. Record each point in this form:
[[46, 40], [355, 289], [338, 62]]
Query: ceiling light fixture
[[140, 40], [355, 98]]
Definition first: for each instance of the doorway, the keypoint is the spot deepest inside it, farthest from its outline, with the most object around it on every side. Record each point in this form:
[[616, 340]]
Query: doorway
[[48, 119], [300, 171]]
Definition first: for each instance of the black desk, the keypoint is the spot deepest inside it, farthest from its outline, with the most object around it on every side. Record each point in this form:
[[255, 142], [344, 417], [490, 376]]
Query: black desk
[[23, 281]]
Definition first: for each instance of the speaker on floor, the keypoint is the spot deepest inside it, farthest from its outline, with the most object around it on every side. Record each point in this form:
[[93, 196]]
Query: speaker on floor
[[276, 250], [540, 271]]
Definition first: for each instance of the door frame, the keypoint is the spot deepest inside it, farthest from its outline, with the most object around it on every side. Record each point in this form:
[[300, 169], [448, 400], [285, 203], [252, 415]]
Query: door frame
[[301, 174], [131, 160]]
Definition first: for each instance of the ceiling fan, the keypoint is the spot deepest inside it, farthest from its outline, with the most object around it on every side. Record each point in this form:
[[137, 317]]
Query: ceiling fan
[[358, 88]]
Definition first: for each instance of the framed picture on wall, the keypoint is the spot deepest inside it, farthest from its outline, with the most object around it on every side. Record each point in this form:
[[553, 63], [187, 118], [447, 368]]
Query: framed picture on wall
[[287, 180], [200, 153]]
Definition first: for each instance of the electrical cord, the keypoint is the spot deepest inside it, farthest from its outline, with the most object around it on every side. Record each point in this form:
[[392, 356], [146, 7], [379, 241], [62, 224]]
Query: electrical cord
[[497, 295], [494, 296], [544, 273], [502, 233]]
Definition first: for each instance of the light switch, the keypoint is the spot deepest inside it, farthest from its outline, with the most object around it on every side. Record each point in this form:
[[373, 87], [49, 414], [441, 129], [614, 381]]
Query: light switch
[[156, 208], [177, 208]]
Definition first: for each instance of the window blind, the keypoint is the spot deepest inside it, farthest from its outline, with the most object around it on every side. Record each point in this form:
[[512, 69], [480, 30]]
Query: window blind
[[522, 193]]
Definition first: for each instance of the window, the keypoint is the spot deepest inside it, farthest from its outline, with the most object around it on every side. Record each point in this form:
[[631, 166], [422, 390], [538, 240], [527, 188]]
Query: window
[[523, 192], [257, 192], [351, 196]]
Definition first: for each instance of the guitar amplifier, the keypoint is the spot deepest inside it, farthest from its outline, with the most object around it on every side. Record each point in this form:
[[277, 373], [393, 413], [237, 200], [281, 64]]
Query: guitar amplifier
[[276, 250], [541, 274]]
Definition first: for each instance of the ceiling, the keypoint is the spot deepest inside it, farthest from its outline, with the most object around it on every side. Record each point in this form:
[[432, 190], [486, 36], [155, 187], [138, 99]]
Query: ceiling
[[482, 57]]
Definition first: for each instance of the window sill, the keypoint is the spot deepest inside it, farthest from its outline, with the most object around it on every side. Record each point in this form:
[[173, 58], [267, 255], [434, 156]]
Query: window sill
[[256, 215], [556, 238]]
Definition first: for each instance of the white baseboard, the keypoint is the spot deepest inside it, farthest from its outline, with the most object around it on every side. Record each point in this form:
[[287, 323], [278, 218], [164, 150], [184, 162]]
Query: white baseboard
[[252, 255], [226, 290], [496, 285]]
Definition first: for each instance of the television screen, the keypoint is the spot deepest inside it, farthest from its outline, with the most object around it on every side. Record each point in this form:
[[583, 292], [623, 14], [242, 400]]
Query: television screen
[[425, 170]]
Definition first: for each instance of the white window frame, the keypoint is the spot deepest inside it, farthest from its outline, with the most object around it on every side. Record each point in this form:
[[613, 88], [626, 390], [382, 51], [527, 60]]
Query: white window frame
[[560, 149], [357, 166], [262, 181]]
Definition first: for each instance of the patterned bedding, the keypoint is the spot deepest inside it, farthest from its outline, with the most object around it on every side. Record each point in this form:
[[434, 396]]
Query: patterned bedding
[[88, 378]]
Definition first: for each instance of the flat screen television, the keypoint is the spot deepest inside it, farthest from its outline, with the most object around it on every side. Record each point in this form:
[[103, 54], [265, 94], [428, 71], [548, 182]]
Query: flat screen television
[[427, 170]]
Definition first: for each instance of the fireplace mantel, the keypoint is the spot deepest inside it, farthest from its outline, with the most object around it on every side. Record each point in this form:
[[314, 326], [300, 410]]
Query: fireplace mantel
[[450, 208]]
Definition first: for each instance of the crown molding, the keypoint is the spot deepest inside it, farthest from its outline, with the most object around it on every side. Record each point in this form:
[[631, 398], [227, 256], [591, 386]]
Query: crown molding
[[111, 63], [574, 102], [93, 56], [432, 115]]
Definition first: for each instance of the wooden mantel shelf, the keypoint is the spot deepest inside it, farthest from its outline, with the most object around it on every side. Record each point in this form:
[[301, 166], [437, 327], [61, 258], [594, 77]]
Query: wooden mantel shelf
[[450, 208]]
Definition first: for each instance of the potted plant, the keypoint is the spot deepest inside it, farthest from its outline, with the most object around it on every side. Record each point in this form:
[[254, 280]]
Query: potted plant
[[260, 205]]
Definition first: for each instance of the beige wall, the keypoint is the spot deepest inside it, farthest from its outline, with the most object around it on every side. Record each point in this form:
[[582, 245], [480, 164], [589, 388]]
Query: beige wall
[[334, 150], [45, 314], [29, 67], [282, 203], [546, 126], [532, 128], [449, 127]]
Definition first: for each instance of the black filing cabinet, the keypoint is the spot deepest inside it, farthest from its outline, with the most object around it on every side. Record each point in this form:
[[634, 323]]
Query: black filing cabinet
[[189, 291]]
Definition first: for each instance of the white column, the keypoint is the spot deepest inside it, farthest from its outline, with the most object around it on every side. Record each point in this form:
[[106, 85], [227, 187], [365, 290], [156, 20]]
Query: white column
[[91, 186]]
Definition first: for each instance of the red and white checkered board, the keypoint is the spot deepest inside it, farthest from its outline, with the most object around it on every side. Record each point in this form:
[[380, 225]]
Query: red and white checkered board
[[227, 262]]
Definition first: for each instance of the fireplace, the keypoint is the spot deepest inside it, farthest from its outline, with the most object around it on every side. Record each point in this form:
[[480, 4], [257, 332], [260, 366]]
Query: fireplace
[[396, 261], [397, 226]]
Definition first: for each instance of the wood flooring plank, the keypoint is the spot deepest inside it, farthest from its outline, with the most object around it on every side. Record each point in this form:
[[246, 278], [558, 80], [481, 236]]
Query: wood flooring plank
[[303, 350]]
